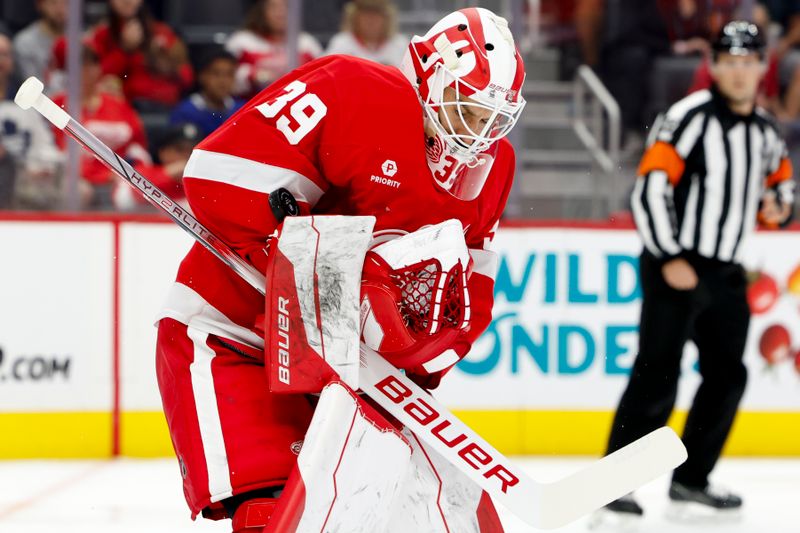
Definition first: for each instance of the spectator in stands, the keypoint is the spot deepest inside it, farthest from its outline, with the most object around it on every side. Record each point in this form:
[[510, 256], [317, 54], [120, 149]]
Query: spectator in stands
[[214, 103], [143, 55], [785, 13], [34, 44], [588, 24], [369, 30], [323, 19], [260, 47], [174, 148], [631, 34], [28, 156], [114, 122], [784, 54], [687, 23]]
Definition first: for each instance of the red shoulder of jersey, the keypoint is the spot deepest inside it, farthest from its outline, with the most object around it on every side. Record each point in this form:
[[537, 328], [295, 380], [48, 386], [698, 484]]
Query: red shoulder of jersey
[[325, 102]]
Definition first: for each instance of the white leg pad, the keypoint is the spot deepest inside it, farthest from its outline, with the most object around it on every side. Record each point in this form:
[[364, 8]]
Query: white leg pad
[[352, 466], [436, 497]]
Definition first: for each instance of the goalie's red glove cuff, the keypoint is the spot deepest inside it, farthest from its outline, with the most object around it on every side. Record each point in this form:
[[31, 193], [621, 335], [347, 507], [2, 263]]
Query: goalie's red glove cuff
[[427, 382]]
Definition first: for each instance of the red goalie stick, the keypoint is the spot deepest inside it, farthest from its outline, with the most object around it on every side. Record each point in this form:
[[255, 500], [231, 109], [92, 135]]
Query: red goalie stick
[[541, 505]]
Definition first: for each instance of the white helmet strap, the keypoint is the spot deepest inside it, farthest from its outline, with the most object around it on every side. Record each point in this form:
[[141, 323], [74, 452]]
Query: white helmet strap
[[445, 48]]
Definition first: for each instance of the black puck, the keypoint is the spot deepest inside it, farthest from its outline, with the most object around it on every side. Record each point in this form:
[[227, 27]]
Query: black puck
[[283, 204]]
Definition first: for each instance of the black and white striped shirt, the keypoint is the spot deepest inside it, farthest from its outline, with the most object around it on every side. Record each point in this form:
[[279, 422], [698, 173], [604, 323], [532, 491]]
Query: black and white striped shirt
[[703, 176]]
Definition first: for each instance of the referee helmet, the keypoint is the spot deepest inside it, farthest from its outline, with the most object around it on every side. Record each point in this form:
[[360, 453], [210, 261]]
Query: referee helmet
[[739, 37]]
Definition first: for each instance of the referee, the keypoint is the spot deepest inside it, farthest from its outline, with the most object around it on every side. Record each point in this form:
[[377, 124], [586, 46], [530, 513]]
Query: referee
[[714, 166]]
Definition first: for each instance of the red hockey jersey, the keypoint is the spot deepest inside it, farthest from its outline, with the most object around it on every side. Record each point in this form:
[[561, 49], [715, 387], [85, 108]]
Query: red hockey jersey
[[346, 137]]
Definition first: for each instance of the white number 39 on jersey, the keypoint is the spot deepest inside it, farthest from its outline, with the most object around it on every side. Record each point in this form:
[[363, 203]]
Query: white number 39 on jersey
[[307, 111]]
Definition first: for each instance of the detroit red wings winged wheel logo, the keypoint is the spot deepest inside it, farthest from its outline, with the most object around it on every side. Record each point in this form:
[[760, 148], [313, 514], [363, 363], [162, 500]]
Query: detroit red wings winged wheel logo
[[434, 149]]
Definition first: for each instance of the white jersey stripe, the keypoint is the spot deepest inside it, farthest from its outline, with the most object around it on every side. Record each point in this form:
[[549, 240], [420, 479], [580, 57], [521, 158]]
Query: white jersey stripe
[[678, 111], [640, 216], [659, 196], [786, 191], [187, 307], [716, 165], [690, 215], [250, 175], [689, 136], [754, 186], [487, 241], [775, 155], [733, 222], [205, 398]]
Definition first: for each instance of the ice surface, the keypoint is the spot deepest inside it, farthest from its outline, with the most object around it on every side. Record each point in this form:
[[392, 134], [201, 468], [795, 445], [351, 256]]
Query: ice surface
[[132, 496]]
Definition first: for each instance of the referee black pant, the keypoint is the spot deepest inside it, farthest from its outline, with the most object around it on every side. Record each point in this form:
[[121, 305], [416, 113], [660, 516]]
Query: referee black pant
[[715, 315]]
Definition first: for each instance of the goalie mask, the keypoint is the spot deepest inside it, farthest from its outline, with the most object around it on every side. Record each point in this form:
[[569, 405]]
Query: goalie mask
[[414, 299], [468, 75]]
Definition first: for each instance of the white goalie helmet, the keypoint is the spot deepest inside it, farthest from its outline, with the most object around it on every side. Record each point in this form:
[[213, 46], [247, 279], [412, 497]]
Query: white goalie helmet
[[468, 75]]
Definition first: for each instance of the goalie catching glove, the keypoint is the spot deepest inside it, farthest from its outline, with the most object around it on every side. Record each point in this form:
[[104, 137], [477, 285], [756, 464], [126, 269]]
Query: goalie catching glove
[[414, 298]]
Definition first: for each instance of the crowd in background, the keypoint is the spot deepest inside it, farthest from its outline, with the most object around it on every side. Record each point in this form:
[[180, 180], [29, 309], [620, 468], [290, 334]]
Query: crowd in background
[[624, 39], [135, 65], [149, 97]]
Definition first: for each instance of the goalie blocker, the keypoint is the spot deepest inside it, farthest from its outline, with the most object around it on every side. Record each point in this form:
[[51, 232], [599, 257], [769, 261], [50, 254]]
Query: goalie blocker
[[414, 300]]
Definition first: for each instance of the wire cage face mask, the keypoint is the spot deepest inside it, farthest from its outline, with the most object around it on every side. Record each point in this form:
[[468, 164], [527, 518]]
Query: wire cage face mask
[[467, 123], [460, 155]]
